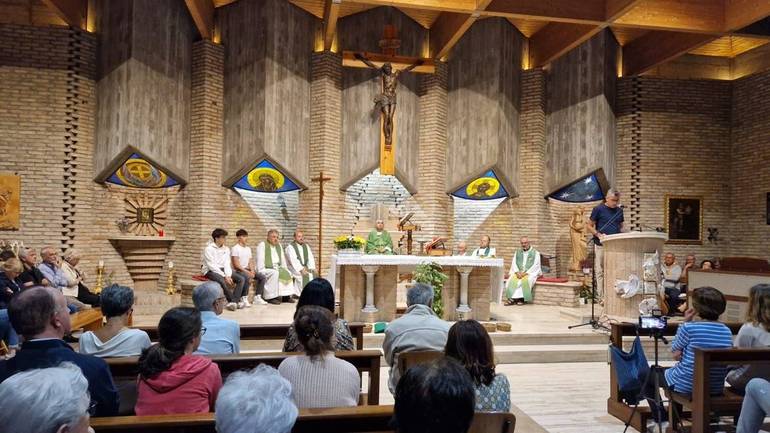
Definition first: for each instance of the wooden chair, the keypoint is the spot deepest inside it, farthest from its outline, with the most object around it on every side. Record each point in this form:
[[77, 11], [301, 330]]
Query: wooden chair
[[270, 332], [493, 422], [89, 320], [407, 360]]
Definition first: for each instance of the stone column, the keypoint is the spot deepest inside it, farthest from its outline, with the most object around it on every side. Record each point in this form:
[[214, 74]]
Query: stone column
[[369, 306], [463, 310]]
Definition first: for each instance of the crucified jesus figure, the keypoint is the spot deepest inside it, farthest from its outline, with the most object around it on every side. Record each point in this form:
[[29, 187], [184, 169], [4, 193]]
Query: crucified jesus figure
[[386, 101]]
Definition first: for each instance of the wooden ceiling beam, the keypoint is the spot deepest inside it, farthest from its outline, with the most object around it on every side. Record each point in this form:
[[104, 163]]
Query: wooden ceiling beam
[[73, 12], [698, 16], [615, 9], [656, 47], [570, 11], [447, 31], [742, 13], [555, 39], [202, 12], [467, 6], [331, 14]]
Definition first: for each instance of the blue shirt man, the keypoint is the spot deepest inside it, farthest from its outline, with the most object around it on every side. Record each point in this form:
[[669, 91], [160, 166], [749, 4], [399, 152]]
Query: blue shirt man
[[606, 219], [221, 336]]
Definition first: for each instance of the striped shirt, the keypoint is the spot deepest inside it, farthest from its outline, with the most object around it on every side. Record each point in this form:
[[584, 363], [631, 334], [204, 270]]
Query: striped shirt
[[698, 335]]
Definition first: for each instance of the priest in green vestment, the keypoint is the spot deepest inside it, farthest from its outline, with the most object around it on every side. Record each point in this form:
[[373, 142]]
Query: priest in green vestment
[[379, 241], [301, 262], [271, 264], [525, 268], [484, 250]]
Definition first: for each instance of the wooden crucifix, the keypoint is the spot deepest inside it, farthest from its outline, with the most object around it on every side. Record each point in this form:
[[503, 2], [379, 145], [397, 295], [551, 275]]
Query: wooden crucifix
[[321, 179], [389, 67]]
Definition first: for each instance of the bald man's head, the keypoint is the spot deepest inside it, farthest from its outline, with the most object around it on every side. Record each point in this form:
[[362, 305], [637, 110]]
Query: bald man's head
[[40, 311]]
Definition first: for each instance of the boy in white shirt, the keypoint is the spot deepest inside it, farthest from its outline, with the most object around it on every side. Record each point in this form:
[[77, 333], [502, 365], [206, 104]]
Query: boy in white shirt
[[216, 267], [243, 264]]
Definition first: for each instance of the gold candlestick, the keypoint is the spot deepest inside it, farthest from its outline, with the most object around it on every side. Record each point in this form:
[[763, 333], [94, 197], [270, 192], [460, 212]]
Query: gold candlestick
[[170, 287], [99, 278]]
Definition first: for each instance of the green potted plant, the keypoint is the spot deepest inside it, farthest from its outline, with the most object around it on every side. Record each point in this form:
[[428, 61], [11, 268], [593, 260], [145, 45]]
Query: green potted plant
[[431, 274]]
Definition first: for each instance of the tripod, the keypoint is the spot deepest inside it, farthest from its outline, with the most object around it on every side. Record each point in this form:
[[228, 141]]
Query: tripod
[[592, 322], [656, 371]]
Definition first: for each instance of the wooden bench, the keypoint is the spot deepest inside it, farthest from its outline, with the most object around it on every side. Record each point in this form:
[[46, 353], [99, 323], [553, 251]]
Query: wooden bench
[[270, 332], [702, 404], [615, 405], [126, 369], [407, 360], [89, 320], [361, 419]]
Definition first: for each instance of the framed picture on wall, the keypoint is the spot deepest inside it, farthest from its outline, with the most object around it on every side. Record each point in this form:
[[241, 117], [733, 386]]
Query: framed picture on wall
[[684, 219]]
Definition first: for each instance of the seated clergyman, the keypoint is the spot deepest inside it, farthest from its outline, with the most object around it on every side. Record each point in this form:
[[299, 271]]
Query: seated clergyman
[[484, 250], [462, 249], [379, 241], [271, 264], [525, 268]]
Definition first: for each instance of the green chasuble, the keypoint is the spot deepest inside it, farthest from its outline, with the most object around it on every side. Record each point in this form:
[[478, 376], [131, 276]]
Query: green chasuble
[[303, 261], [524, 261], [379, 243], [284, 276]]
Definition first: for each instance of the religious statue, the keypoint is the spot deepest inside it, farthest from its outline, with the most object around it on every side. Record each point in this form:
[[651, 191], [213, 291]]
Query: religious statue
[[386, 101], [577, 236]]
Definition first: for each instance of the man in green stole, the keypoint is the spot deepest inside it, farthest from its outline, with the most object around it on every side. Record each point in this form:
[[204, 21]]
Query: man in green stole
[[271, 264], [301, 262], [379, 241], [525, 268], [484, 250]]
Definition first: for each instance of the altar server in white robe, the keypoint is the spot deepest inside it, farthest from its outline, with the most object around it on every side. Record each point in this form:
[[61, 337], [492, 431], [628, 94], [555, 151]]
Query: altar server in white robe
[[301, 262], [525, 268], [271, 264], [484, 250]]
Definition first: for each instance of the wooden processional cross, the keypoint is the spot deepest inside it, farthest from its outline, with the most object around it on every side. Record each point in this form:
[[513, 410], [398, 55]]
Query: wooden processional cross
[[389, 66], [321, 179]]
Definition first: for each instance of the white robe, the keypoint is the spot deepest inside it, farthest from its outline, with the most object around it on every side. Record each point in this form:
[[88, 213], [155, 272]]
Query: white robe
[[479, 252], [273, 287], [533, 272], [295, 265]]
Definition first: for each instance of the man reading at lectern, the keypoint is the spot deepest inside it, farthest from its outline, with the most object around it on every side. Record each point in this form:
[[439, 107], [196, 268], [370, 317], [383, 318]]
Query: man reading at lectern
[[606, 219], [379, 241]]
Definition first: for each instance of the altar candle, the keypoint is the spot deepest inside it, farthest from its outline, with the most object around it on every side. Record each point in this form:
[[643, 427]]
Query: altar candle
[[170, 265], [101, 263]]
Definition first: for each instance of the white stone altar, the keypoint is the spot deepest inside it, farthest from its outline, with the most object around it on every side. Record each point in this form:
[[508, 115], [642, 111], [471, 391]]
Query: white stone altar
[[367, 285]]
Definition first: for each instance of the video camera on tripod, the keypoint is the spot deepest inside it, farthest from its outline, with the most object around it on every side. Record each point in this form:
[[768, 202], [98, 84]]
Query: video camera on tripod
[[654, 322]]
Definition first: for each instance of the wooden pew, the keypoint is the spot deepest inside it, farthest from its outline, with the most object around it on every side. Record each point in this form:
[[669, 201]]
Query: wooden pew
[[270, 332], [126, 369], [89, 320], [406, 360], [702, 403], [361, 419], [615, 406]]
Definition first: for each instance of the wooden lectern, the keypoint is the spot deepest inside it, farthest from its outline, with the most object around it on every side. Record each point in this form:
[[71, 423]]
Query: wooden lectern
[[624, 255]]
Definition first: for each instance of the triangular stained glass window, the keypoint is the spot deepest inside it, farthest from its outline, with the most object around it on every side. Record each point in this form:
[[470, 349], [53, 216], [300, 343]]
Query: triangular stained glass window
[[485, 187], [138, 172], [265, 177], [586, 189]]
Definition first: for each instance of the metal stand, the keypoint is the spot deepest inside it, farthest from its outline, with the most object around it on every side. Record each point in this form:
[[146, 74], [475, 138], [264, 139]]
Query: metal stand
[[655, 371], [593, 323]]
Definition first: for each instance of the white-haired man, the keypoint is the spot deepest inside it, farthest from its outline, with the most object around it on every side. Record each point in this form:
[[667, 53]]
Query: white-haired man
[[222, 336], [271, 264], [379, 240], [418, 329], [255, 401], [52, 271], [53, 399], [525, 268], [301, 261], [606, 219]]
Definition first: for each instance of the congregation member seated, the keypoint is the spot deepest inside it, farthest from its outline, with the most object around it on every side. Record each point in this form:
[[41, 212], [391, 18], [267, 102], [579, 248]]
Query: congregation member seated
[[31, 276], [216, 267], [172, 379], [379, 240], [700, 330], [51, 269], [318, 378], [754, 333], [271, 264], [689, 264], [5, 255], [319, 292], [115, 338], [41, 317], [243, 264], [525, 268], [462, 249], [222, 336], [417, 330], [436, 397], [10, 286], [707, 265], [755, 407], [75, 278], [469, 343], [255, 401], [671, 272], [484, 250], [45, 400]]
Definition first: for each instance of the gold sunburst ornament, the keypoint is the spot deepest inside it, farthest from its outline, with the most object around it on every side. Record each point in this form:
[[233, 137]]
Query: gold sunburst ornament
[[146, 214]]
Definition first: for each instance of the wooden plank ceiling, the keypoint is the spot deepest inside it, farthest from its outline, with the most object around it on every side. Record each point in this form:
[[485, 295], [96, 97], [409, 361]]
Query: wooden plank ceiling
[[651, 32]]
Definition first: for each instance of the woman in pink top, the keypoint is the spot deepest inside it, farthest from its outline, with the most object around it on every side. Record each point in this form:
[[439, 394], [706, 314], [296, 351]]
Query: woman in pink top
[[172, 379]]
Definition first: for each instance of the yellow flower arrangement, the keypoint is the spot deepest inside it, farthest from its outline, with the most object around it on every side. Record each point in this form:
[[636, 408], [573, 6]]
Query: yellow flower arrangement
[[349, 242]]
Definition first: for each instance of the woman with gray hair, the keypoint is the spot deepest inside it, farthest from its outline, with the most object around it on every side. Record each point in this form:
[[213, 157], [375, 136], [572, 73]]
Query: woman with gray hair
[[115, 338], [46, 400], [75, 278], [256, 401]]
